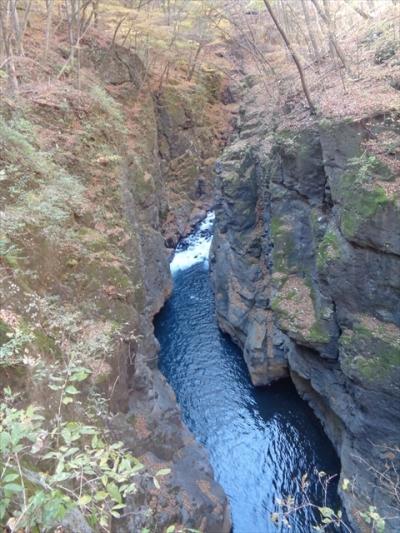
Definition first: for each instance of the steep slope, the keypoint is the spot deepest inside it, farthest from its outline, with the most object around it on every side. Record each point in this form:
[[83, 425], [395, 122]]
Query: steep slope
[[306, 270], [87, 191]]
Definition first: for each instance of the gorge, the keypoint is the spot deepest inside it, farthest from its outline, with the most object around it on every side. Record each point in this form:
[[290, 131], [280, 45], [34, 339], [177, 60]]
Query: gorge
[[199, 266], [261, 442]]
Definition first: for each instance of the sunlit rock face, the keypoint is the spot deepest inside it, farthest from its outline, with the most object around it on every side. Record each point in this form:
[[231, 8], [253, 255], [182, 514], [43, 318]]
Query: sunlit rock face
[[306, 271]]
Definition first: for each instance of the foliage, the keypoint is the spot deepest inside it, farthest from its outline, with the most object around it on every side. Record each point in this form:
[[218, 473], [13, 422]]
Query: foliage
[[325, 517], [78, 469], [12, 352], [109, 107], [8, 252], [366, 167], [45, 473], [328, 249]]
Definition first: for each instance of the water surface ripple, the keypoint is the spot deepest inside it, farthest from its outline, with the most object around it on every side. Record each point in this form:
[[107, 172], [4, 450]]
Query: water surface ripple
[[260, 440]]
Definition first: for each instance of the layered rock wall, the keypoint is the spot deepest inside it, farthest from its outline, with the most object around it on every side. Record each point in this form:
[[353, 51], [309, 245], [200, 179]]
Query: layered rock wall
[[306, 270]]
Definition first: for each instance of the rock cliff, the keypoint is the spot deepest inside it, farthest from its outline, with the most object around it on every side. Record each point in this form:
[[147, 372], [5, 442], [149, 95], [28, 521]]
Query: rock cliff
[[306, 270], [87, 194]]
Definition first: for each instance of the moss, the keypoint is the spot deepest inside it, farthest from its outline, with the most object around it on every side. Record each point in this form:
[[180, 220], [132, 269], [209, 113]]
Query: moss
[[172, 101], [8, 252], [370, 355], [275, 226], [276, 307], [93, 240], [367, 166], [328, 249], [110, 107], [211, 79], [288, 140], [385, 51], [18, 148], [120, 278], [45, 344], [4, 331], [283, 245], [359, 203], [326, 124], [318, 333], [296, 312], [363, 206]]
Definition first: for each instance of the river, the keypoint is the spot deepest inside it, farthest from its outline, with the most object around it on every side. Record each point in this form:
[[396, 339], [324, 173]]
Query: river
[[261, 441]]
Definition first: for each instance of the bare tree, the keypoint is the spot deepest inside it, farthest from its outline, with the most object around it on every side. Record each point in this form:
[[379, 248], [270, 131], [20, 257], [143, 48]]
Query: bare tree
[[202, 34], [310, 30], [294, 57], [325, 15], [49, 22], [358, 10], [7, 21], [79, 18]]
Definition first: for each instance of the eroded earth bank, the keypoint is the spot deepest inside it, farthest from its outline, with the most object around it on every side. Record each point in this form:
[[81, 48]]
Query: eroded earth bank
[[94, 183]]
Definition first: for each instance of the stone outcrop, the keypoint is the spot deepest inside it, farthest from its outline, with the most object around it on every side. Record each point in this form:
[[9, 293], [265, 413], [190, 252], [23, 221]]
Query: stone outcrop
[[306, 270]]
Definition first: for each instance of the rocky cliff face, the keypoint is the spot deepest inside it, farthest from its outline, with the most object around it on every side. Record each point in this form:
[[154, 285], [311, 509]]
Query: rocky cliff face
[[86, 197], [306, 269]]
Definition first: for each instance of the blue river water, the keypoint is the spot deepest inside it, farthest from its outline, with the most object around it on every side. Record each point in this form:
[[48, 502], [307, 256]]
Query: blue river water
[[261, 441]]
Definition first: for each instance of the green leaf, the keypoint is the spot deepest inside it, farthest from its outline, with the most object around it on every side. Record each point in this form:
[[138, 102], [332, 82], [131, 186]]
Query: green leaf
[[11, 488], [103, 521], [118, 506], [163, 472], [54, 387], [5, 441], [130, 488], [4, 503], [84, 500], [71, 390], [10, 477], [67, 400], [88, 430], [136, 468], [170, 529], [345, 484], [114, 492], [50, 455], [81, 375], [100, 495], [326, 512], [66, 435]]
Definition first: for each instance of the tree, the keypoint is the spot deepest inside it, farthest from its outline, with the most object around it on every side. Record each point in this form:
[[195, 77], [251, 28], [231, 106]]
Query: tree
[[310, 30], [326, 17], [7, 28], [294, 57]]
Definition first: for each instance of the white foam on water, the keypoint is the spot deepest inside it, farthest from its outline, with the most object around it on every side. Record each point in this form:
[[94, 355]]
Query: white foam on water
[[194, 248]]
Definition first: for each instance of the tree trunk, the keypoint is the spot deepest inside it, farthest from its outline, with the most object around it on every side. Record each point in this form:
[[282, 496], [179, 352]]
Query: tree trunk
[[358, 10], [8, 50], [49, 22], [193, 67], [326, 17], [310, 30], [294, 57]]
